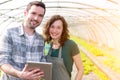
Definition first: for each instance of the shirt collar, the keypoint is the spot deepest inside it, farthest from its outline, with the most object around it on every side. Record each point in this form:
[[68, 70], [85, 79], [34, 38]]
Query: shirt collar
[[21, 31]]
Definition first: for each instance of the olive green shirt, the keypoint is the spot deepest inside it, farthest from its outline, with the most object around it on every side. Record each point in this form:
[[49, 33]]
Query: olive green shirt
[[69, 49]]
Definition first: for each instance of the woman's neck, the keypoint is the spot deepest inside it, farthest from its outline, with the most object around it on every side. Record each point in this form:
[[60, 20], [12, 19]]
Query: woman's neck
[[55, 44]]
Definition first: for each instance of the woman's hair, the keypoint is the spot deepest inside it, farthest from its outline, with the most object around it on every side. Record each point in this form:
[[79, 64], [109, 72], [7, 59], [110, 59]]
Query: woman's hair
[[36, 3], [65, 32]]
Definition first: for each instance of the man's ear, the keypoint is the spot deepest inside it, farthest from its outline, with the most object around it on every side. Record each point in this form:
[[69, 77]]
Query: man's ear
[[25, 12]]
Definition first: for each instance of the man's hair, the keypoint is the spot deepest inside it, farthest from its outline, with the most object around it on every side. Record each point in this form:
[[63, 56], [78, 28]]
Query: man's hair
[[36, 3]]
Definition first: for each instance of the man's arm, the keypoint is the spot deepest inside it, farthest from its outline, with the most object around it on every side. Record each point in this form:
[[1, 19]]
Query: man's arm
[[24, 74], [7, 68]]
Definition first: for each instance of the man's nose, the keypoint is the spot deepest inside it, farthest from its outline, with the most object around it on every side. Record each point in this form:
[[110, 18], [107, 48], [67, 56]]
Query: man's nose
[[36, 17]]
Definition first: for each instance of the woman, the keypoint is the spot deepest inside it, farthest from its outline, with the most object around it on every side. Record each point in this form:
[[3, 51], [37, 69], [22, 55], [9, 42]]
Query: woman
[[63, 51]]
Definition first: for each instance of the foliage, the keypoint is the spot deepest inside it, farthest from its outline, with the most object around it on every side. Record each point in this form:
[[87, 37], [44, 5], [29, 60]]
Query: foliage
[[89, 67], [109, 60], [87, 63]]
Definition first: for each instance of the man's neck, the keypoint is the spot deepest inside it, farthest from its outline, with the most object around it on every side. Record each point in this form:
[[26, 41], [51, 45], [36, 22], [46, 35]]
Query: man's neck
[[28, 31]]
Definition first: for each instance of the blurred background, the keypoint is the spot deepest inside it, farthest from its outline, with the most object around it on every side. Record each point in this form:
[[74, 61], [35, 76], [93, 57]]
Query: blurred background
[[93, 24]]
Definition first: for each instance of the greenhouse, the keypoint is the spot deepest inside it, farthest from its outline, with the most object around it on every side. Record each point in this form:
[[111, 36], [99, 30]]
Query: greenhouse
[[93, 24]]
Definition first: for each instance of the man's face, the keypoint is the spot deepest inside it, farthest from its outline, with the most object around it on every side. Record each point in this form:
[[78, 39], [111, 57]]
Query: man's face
[[34, 16]]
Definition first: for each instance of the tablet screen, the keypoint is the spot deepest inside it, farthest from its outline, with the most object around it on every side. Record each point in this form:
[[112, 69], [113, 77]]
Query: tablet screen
[[45, 66]]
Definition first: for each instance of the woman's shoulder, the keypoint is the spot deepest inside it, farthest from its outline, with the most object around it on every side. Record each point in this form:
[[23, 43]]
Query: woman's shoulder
[[70, 41], [72, 46]]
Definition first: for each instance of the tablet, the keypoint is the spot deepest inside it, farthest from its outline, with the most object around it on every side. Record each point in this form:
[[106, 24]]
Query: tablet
[[45, 66]]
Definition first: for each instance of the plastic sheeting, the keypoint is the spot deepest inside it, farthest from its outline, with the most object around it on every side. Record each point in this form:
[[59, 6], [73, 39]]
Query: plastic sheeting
[[92, 20]]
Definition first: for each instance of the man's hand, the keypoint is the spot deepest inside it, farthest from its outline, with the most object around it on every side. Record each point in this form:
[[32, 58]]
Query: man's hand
[[31, 74]]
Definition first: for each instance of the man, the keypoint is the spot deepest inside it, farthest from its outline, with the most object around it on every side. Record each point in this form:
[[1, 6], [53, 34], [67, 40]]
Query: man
[[21, 44]]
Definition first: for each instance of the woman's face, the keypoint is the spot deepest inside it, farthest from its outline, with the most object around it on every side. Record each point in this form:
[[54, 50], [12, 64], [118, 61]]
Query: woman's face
[[56, 30]]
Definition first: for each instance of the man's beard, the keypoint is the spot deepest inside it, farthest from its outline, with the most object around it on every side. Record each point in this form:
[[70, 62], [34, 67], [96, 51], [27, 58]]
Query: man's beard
[[32, 26]]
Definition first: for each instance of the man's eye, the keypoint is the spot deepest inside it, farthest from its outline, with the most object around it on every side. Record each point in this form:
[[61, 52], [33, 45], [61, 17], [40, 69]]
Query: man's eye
[[41, 15], [33, 13]]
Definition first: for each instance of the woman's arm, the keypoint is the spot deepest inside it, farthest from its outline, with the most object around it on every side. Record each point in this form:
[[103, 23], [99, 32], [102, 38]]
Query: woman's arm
[[79, 66]]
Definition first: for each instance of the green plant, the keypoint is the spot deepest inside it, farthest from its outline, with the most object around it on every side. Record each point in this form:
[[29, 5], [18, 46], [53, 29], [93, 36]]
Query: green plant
[[87, 63], [109, 60]]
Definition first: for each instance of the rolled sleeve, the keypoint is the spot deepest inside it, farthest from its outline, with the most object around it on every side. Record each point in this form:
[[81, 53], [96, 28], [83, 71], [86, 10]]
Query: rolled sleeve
[[3, 59], [5, 49]]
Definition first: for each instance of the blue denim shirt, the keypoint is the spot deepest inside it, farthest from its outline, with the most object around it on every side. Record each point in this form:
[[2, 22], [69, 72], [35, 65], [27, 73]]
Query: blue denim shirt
[[14, 49]]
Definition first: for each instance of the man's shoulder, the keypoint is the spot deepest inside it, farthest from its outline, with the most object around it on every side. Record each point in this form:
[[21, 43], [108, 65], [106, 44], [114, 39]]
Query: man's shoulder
[[39, 35], [12, 31], [13, 28]]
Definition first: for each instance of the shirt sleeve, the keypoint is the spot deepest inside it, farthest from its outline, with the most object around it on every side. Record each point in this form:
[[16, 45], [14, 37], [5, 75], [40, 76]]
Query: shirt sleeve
[[5, 48], [74, 48]]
